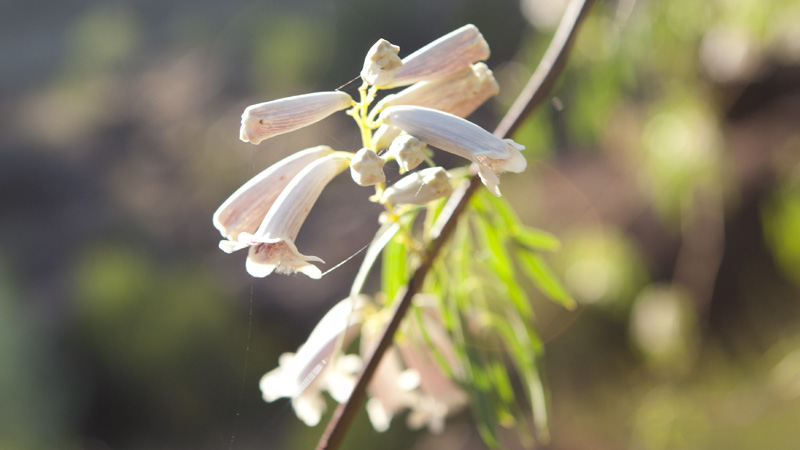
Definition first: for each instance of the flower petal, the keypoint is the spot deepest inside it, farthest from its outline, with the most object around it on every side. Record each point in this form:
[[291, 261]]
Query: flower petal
[[265, 120], [442, 57], [459, 94], [246, 208], [272, 246], [460, 137]]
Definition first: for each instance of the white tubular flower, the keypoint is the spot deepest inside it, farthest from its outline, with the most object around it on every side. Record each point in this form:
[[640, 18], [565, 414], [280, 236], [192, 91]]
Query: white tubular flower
[[302, 376], [460, 137], [408, 151], [265, 120], [246, 208], [419, 188], [381, 63], [459, 94], [442, 57], [272, 246], [366, 168]]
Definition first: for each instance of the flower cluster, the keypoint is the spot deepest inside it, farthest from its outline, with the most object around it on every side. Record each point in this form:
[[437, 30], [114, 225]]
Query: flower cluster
[[442, 83], [446, 81], [407, 378]]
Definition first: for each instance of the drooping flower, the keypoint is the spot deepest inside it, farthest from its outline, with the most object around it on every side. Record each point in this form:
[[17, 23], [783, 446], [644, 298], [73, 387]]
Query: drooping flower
[[272, 246], [441, 395], [265, 120], [381, 63], [419, 188], [366, 168], [409, 377], [459, 94], [304, 375], [246, 208], [460, 137], [442, 57]]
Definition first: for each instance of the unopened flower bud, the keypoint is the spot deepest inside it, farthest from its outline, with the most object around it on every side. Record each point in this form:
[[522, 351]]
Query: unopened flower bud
[[460, 137], [442, 57], [408, 151], [366, 168], [420, 187], [265, 120], [381, 63]]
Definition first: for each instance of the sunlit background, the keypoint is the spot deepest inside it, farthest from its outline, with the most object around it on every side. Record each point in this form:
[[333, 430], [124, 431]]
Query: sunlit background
[[668, 162]]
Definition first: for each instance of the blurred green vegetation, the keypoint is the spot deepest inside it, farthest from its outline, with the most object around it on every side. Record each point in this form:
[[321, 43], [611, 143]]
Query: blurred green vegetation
[[667, 165]]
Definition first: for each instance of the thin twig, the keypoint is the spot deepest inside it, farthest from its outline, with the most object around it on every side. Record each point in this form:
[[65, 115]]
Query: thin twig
[[536, 91]]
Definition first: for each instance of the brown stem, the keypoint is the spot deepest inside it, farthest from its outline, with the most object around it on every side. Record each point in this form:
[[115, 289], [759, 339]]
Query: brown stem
[[536, 91]]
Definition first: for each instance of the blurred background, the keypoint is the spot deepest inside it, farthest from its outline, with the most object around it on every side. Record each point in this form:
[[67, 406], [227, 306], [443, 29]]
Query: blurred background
[[668, 162]]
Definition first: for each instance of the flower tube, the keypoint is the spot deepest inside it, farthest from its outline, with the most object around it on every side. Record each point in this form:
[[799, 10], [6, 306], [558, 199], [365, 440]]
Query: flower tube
[[302, 376], [265, 120], [460, 137], [246, 208], [459, 94], [272, 246], [442, 57]]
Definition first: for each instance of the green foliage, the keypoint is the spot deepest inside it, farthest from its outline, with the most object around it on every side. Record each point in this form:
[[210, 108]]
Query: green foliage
[[487, 310]]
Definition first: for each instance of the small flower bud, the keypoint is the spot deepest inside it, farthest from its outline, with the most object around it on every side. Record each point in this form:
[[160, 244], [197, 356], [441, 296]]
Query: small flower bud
[[381, 63], [442, 57], [366, 168], [408, 151], [460, 137], [265, 120], [419, 188]]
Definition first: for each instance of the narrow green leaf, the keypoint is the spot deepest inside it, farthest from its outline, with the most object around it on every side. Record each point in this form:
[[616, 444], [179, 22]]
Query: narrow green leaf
[[536, 239], [393, 269], [544, 279]]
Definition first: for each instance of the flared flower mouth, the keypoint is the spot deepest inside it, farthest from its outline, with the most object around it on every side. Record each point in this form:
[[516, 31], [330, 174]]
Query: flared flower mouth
[[280, 256]]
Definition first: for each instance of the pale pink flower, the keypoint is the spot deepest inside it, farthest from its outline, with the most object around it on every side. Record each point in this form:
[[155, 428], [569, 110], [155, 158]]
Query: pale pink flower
[[246, 208], [442, 57], [272, 246], [409, 377], [265, 120], [460, 137], [304, 375]]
